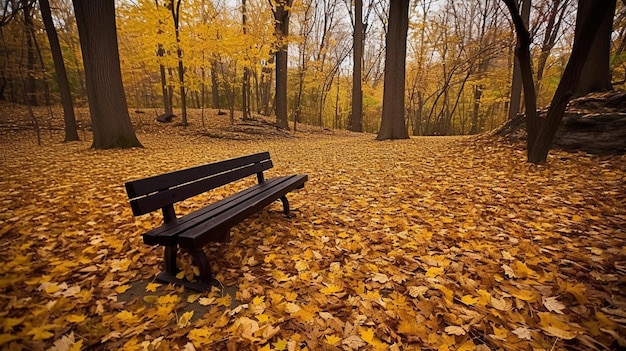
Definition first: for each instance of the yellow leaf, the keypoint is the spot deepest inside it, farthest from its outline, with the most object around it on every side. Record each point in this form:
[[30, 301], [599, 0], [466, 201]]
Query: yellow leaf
[[367, 335], [122, 288], [551, 324], [185, 319], [193, 298], [262, 317], [5, 338], [469, 299], [152, 287], [120, 265], [40, 333], [223, 301], [9, 323], [526, 295], [150, 299], [331, 289], [266, 348], [75, 318], [258, 300], [522, 271], [332, 339], [578, 290], [280, 345], [434, 272], [499, 333], [200, 336]]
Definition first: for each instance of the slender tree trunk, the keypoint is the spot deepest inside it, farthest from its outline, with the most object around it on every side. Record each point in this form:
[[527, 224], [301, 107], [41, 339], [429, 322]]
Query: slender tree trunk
[[356, 117], [179, 53], [281, 15], [215, 85], [393, 125], [30, 84], [516, 84], [71, 130], [110, 120], [167, 102], [245, 88]]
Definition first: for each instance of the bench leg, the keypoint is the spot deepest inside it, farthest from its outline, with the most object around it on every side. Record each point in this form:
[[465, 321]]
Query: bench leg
[[285, 202], [170, 260], [204, 266]]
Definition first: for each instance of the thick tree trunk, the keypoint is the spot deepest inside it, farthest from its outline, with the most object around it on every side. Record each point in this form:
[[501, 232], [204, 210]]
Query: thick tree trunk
[[356, 117], [110, 120], [71, 130], [596, 73], [393, 125]]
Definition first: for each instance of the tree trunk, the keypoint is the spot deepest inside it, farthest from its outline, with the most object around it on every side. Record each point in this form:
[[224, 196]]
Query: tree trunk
[[393, 125], [245, 86], [110, 120], [541, 133], [215, 86], [167, 103], [30, 86], [356, 117], [71, 130], [179, 53], [281, 15], [596, 73], [516, 83]]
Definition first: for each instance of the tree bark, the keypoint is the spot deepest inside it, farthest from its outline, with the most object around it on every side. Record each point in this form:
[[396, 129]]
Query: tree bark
[[179, 53], [29, 84], [110, 120], [596, 72], [281, 15], [71, 130], [516, 83], [393, 125], [356, 117]]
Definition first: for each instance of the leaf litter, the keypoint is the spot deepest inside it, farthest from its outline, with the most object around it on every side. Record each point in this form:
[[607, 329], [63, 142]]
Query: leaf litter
[[430, 243]]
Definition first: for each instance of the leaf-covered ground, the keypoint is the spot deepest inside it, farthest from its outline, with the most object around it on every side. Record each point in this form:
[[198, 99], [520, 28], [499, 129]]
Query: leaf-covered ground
[[428, 243]]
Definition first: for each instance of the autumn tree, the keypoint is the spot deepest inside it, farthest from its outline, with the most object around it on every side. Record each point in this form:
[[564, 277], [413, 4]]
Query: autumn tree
[[110, 120], [392, 124], [71, 133], [541, 132]]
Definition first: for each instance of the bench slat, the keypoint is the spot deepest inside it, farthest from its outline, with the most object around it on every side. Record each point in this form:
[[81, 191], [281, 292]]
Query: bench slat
[[196, 237], [161, 199], [166, 234], [149, 185]]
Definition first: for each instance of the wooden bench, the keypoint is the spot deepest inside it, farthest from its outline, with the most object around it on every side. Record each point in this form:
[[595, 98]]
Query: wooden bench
[[213, 222]]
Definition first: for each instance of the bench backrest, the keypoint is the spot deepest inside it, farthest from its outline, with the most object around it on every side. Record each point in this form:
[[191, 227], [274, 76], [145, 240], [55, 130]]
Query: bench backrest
[[161, 191]]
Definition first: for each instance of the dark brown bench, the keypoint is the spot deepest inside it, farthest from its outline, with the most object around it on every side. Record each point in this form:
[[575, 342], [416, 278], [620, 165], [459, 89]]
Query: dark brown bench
[[212, 223]]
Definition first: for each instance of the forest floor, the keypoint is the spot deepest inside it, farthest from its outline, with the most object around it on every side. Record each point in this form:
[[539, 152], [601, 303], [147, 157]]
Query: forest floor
[[437, 243]]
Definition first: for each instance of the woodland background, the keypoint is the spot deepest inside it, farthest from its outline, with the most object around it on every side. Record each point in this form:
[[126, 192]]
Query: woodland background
[[458, 75]]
